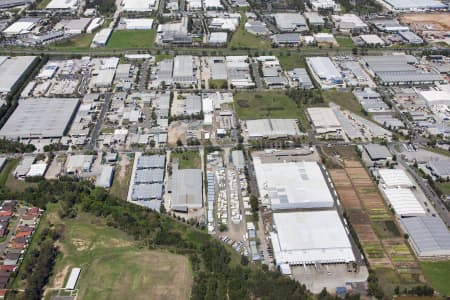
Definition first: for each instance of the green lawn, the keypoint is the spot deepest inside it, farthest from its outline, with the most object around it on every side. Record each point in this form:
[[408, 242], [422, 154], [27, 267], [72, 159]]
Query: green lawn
[[7, 169], [113, 266], [43, 4], [444, 187], [187, 159], [272, 104], [120, 184], [78, 43], [289, 62], [345, 42], [160, 57], [218, 84], [438, 275], [10, 181], [345, 99], [242, 39], [123, 39]]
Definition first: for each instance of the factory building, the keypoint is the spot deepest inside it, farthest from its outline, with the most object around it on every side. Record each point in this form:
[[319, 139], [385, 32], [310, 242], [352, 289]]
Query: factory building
[[310, 237], [184, 70], [290, 22], [186, 189], [325, 72], [40, 118], [13, 70], [395, 178], [106, 177], [324, 120], [272, 128], [292, 185]]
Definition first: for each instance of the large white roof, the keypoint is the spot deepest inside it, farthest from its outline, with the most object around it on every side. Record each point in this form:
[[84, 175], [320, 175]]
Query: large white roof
[[436, 97], [62, 4], [404, 202], [272, 128], [324, 119], [310, 237], [138, 5], [395, 178], [292, 185]]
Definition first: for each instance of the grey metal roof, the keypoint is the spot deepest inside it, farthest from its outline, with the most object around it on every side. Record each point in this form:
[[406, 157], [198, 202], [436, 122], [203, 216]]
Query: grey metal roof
[[187, 189], [12, 69], [428, 235], [151, 161], [192, 104], [276, 80], [408, 76], [301, 76], [149, 176], [440, 167], [40, 117], [286, 38], [147, 191], [238, 159], [411, 37], [377, 151], [106, 176]]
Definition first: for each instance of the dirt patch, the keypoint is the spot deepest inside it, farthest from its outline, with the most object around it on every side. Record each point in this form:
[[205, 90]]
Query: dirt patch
[[429, 21], [58, 282], [177, 131], [80, 244], [124, 163]]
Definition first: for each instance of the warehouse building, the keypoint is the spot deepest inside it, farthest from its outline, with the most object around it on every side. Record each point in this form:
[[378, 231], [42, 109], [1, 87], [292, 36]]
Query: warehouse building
[[414, 5], [314, 19], [349, 23], [439, 168], [398, 70], [64, 6], [324, 120], [325, 72], [40, 118], [13, 70], [371, 40], [301, 77], [77, 164], [13, 3], [428, 236], [149, 176], [272, 128], [287, 39], [378, 153], [106, 177], [138, 5], [101, 38], [404, 202], [73, 26], [292, 185], [370, 100], [186, 189], [395, 178], [310, 237], [410, 37], [136, 24], [184, 70], [434, 97], [237, 156], [290, 22], [21, 26]]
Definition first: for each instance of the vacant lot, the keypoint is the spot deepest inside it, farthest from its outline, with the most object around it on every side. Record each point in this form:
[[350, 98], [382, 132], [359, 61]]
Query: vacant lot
[[244, 40], [121, 39], [438, 275], [78, 43], [345, 42], [187, 159], [114, 267], [345, 99], [440, 21], [291, 61], [251, 105]]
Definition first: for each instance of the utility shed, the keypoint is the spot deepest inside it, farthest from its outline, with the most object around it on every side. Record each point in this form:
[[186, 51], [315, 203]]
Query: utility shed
[[310, 237], [428, 236], [377, 152], [272, 128], [40, 118], [404, 202], [395, 178], [187, 189], [73, 278], [292, 185], [106, 177]]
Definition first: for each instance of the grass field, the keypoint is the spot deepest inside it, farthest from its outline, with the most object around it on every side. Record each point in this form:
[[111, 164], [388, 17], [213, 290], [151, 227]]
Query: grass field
[[122, 39], [80, 42], [242, 39], [345, 99], [113, 266], [273, 104], [444, 187], [345, 42], [289, 62], [9, 167], [438, 275], [187, 159], [218, 84], [43, 4], [120, 184], [10, 181]]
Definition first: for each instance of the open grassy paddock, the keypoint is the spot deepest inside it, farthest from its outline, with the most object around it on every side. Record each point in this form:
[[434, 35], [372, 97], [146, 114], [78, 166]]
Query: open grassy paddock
[[187, 159], [123, 39], [242, 39], [80, 42], [345, 99], [291, 61], [114, 266], [260, 105], [438, 275]]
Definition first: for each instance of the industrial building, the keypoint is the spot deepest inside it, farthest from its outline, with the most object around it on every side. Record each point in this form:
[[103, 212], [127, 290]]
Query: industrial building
[[286, 39], [13, 3], [237, 156], [301, 77], [314, 19], [63, 6], [73, 278], [73, 26], [378, 153], [411, 38], [310, 237], [414, 5], [349, 23], [218, 38], [370, 100], [40, 118], [439, 168], [292, 185], [324, 120], [404, 202], [186, 189], [395, 178], [138, 5], [272, 128], [398, 70], [136, 24], [13, 70], [184, 70], [290, 22], [101, 38], [79, 163], [371, 40], [428, 236], [325, 72], [434, 97], [21, 26], [106, 177]]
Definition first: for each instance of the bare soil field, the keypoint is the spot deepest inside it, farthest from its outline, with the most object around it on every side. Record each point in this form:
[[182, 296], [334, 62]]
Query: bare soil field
[[348, 197], [439, 21]]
